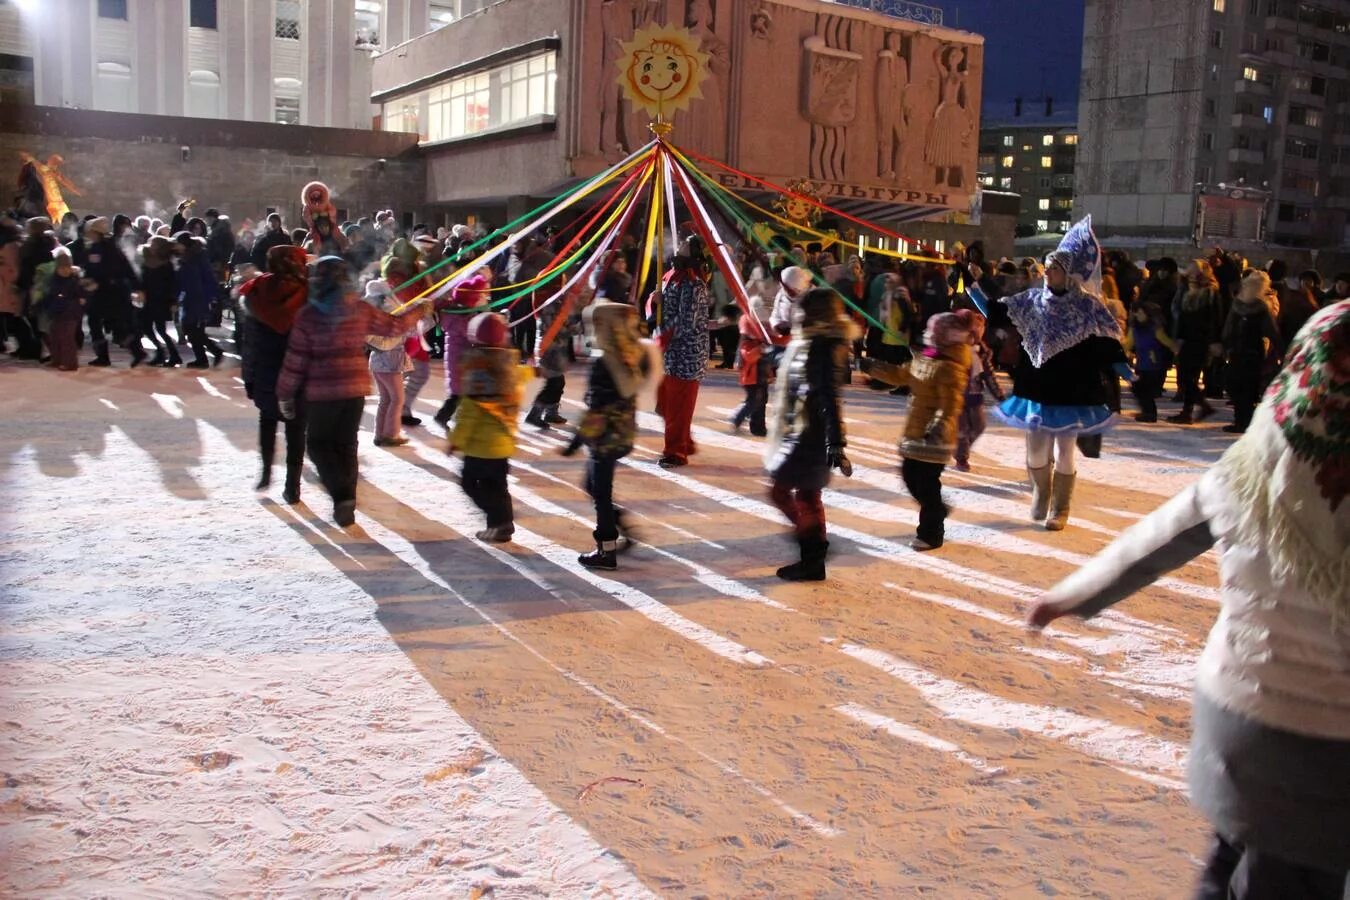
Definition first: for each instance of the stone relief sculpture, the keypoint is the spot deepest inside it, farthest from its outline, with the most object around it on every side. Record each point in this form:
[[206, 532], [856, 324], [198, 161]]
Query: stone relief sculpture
[[761, 21], [705, 125], [831, 98], [951, 128], [616, 26], [892, 106]]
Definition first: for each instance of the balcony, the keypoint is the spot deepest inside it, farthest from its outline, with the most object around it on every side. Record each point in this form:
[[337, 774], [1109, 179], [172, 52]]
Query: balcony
[[1245, 88], [1252, 157], [1249, 120], [1340, 170], [1302, 98]]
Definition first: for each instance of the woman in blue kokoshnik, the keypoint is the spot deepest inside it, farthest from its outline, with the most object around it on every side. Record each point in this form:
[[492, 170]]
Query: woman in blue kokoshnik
[[1070, 346]]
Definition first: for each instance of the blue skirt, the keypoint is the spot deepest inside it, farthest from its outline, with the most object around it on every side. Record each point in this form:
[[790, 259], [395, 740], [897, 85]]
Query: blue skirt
[[1029, 415]]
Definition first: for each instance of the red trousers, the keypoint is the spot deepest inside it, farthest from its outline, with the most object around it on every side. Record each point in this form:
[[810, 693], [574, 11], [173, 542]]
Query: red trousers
[[803, 508], [675, 401]]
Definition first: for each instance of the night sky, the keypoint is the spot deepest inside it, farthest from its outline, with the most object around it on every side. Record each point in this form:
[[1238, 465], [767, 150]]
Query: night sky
[[1032, 48]]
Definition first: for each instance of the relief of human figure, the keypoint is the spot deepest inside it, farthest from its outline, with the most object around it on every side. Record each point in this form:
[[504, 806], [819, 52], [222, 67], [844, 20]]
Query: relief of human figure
[[892, 106], [951, 128], [704, 125]]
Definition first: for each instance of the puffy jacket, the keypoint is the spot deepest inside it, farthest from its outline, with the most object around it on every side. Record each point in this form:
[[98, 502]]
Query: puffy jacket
[[808, 425], [937, 387], [197, 287], [493, 382]]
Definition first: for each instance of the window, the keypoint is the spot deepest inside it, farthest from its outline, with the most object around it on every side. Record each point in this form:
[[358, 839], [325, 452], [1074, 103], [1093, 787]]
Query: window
[[1005, 183], [203, 94], [1006, 162], [988, 161], [1268, 113], [112, 9], [1044, 182], [1204, 174], [1207, 140], [1272, 44], [1071, 140], [1319, 87], [1218, 6], [1063, 181], [286, 101], [202, 14], [112, 87], [442, 13], [1008, 140], [511, 93], [1042, 224], [367, 27], [1301, 149], [1302, 115], [1314, 50], [1210, 107], [1301, 181], [1249, 73], [986, 181], [1046, 162], [1048, 141], [1216, 39], [288, 20], [1063, 203], [1043, 203], [1253, 7]]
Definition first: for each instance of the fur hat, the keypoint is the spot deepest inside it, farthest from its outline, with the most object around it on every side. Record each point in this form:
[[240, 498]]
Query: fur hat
[[489, 329], [795, 279], [316, 199], [97, 226], [945, 330]]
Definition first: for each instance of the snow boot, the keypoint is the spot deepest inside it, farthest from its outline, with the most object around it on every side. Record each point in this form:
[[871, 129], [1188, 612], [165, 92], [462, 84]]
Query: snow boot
[[1061, 495], [447, 410], [344, 513], [551, 415], [604, 556], [1040, 492], [291, 493], [536, 418], [101, 359], [812, 565], [499, 534]]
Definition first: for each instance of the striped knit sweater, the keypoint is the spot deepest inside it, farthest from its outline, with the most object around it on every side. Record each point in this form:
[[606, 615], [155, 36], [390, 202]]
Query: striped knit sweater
[[325, 355]]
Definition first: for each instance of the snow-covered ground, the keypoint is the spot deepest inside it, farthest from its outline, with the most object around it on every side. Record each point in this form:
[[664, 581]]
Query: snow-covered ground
[[208, 692]]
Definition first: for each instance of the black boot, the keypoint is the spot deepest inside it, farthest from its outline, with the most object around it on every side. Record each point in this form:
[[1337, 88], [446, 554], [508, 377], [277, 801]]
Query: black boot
[[604, 556], [812, 565], [159, 359], [536, 418], [291, 493], [101, 357], [447, 410], [138, 354]]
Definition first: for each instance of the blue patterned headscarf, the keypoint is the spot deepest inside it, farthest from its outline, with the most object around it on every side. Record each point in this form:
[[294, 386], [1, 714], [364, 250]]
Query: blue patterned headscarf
[[1080, 255]]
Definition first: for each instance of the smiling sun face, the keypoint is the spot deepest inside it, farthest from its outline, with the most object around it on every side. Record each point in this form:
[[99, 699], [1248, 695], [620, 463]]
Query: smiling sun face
[[661, 70]]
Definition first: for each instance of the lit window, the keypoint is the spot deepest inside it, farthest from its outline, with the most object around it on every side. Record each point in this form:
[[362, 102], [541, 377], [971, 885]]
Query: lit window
[[1046, 162], [1249, 73], [1042, 224], [1313, 118], [1008, 140], [470, 104], [1071, 140], [1218, 5], [1027, 148], [1268, 114], [1048, 141], [1006, 162], [1044, 203], [1005, 183]]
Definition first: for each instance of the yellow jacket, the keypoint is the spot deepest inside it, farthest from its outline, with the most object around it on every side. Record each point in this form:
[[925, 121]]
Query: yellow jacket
[[937, 387], [486, 423]]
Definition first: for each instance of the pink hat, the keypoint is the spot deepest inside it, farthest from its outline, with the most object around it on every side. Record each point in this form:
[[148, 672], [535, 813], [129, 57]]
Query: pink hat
[[489, 329]]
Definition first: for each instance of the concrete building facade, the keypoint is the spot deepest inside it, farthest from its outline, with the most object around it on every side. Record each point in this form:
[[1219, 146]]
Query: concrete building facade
[[1217, 111], [1033, 155]]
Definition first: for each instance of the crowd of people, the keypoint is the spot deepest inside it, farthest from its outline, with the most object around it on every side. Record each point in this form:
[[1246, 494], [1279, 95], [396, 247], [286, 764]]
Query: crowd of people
[[320, 311]]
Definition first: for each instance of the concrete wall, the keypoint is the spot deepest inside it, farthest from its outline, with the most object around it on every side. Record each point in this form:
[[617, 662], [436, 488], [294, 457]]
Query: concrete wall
[[133, 163], [1144, 65]]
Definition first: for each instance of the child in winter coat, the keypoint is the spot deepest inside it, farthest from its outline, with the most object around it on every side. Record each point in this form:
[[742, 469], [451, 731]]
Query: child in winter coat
[[937, 380], [63, 301], [1146, 339], [388, 361], [982, 379], [807, 439], [758, 340], [492, 381], [469, 294], [624, 364]]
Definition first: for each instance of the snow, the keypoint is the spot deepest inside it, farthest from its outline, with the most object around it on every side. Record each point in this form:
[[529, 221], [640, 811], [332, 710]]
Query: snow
[[209, 692]]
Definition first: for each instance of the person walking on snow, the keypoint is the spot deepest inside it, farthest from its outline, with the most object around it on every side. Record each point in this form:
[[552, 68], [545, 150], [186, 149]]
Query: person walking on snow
[[807, 438], [388, 363], [623, 365], [683, 336], [1069, 339], [1270, 752], [938, 380], [485, 429], [758, 342], [469, 294]]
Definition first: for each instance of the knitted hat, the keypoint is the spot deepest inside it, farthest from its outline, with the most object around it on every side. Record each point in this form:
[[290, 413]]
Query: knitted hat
[[796, 279], [489, 329], [946, 329]]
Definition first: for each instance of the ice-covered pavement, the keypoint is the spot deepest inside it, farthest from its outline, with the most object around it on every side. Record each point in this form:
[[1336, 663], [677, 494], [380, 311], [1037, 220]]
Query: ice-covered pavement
[[206, 691]]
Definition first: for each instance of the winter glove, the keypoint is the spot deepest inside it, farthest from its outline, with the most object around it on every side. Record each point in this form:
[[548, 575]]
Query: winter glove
[[839, 461], [287, 409]]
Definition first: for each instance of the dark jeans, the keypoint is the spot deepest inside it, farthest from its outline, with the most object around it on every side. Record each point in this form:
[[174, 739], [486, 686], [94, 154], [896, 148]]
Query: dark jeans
[[924, 481], [756, 401], [552, 391], [1147, 389], [600, 485], [1188, 377], [1234, 872], [484, 480], [196, 335], [156, 328], [331, 441], [295, 443], [728, 339], [523, 337]]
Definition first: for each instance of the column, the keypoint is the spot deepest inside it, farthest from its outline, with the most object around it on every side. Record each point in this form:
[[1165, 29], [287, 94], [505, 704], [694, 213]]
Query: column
[[340, 52], [419, 18], [315, 38], [173, 47], [395, 24], [232, 24], [52, 30], [261, 23], [76, 28], [145, 67]]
